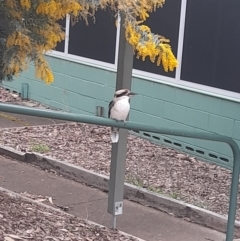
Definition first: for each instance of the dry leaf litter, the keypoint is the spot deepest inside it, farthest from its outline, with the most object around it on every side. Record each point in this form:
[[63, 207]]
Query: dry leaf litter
[[25, 220], [159, 169]]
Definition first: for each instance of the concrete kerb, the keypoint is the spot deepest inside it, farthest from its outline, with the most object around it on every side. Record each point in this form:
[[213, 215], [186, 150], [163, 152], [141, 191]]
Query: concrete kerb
[[137, 194], [16, 195]]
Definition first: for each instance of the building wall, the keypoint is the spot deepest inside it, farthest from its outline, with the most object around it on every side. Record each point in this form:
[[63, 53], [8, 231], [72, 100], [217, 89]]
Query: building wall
[[80, 88]]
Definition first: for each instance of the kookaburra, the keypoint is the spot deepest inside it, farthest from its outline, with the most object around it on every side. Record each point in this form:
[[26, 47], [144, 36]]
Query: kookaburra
[[119, 109]]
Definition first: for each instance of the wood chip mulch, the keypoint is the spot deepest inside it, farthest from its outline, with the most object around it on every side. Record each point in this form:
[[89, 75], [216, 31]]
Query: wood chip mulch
[[25, 220]]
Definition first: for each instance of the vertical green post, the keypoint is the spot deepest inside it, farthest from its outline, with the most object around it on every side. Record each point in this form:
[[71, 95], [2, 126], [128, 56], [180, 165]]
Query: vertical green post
[[24, 91], [233, 193], [118, 155]]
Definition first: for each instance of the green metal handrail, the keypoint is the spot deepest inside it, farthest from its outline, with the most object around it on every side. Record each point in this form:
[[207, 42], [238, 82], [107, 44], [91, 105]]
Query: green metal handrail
[[148, 128]]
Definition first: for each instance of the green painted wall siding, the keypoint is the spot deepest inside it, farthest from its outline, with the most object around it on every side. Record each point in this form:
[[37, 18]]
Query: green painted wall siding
[[80, 88], [183, 109]]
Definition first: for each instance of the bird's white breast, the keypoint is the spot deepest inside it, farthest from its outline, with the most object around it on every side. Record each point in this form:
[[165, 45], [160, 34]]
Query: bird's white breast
[[120, 109]]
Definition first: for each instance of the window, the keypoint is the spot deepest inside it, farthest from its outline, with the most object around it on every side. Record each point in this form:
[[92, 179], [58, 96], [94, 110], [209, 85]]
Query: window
[[204, 35], [60, 46], [94, 41], [164, 21], [211, 52]]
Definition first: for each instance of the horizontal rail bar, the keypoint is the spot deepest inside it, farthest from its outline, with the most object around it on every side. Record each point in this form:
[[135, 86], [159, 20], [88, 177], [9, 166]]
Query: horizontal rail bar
[[108, 122], [148, 128]]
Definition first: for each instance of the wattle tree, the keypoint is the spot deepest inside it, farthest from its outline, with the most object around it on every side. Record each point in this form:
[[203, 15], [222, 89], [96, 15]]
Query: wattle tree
[[30, 28]]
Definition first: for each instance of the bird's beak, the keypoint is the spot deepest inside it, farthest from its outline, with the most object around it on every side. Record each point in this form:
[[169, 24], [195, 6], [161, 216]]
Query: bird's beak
[[132, 94]]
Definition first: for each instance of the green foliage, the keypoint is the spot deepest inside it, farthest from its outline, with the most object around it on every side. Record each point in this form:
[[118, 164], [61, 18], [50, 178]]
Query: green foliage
[[4, 32], [41, 148]]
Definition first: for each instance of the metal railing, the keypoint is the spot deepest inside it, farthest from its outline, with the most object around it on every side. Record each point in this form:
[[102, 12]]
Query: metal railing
[[148, 128]]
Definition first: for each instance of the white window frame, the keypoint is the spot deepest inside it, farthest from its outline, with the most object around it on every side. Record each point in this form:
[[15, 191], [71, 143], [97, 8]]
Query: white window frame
[[83, 60], [176, 82]]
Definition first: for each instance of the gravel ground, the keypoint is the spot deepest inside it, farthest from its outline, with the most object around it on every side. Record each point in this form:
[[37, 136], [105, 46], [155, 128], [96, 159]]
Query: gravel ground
[[23, 220], [6, 96], [159, 169], [14, 98]]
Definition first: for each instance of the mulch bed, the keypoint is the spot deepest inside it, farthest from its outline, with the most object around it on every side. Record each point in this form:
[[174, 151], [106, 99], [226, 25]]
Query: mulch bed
[[25, 220]]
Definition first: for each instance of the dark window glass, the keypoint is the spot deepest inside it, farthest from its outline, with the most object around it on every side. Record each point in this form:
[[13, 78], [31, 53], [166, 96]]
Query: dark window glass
[[60, 46], [211, 52], [165, 21], [95, 40]]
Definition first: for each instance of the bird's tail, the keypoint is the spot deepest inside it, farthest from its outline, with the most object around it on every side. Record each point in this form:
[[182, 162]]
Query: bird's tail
[[114, 135]]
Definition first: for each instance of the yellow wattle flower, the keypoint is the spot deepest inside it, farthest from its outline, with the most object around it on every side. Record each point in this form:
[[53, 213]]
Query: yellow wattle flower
[[25, 4], [146, 44]]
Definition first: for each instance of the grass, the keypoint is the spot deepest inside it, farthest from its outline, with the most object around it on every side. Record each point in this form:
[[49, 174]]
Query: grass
[[201, 204], [40, 147], [137, 181], [155, 189], [173, 195]]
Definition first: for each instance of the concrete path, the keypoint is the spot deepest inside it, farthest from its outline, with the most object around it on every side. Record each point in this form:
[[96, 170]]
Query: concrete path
[[8, 120], [91, 204]]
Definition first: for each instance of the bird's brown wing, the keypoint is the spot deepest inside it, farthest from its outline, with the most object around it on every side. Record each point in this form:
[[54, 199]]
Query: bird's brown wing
[[110, 107]]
